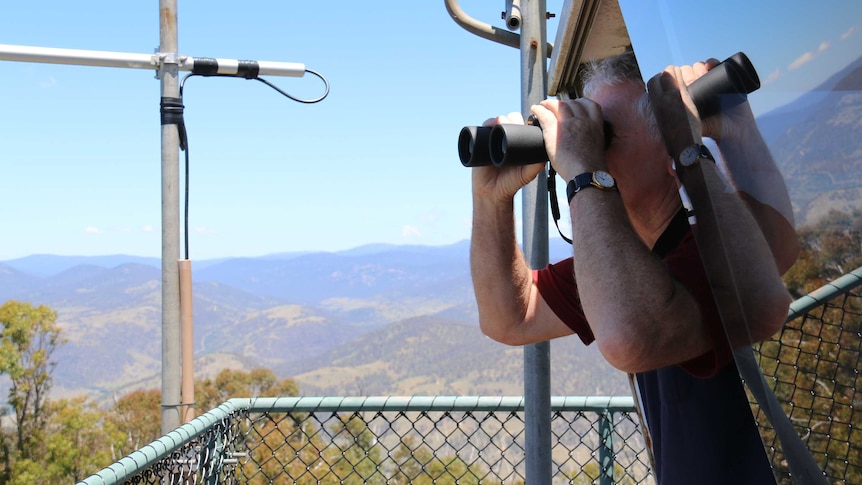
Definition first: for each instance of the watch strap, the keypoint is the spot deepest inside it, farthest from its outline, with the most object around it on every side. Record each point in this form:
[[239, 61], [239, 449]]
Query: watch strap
[[576, 184], [599, 179]]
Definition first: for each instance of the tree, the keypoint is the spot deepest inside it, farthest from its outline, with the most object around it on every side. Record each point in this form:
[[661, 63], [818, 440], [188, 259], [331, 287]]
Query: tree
[[272, 440], [79, 440], [418, 464], [830, 248], [229, 383], [355, 459], [138, 415], [28, 339]]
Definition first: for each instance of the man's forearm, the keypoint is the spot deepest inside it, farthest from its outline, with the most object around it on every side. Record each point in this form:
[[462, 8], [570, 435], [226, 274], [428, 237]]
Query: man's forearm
[[753, 170], [754, 174], [738, 258], [502, 280]]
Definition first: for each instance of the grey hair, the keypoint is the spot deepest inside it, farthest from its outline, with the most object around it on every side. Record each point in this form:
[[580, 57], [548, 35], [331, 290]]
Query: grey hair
[[613, 71]]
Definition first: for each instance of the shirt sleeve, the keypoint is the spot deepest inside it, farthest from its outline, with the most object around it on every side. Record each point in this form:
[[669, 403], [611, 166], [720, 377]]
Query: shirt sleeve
[[556, 283]]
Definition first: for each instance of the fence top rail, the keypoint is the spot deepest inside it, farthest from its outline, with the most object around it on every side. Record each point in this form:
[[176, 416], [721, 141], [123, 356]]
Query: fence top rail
[[430, 403], [827, 292]]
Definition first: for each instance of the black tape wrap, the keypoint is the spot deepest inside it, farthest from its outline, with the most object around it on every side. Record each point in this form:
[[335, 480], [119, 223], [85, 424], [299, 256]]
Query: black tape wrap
[[172, 111], [205, 66], [172, 114], [248, 69]]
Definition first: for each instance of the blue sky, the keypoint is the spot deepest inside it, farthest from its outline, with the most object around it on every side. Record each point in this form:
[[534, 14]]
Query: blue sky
[[375, 162]]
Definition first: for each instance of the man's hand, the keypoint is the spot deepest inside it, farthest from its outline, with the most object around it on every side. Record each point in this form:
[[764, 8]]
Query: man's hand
[[732, 122], [574, 135], [674, 110], [500, 184]]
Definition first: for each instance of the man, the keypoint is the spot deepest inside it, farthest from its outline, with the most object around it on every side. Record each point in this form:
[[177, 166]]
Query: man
[[635, 283]]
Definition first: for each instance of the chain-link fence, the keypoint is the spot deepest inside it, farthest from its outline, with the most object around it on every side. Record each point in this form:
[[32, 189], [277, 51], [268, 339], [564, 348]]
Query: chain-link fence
[[813, 366], [392, 440]]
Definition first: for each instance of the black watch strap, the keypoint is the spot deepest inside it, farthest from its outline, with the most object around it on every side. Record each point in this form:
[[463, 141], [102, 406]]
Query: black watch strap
[[599, 179], [576, 184]]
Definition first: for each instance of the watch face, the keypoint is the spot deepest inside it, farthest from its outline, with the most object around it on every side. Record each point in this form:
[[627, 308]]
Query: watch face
[[604, 179], [689, 156]]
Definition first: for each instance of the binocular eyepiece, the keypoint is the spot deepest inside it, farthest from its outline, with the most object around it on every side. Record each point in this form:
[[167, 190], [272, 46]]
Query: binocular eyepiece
[[725, 85]]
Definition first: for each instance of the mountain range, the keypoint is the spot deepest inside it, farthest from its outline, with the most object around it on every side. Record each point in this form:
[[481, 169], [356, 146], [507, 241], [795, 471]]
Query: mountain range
[[816, 145], [379, 319], [373, 320]]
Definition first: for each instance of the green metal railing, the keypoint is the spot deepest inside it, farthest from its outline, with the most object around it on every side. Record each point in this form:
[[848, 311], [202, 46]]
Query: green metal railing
[[387, 440]]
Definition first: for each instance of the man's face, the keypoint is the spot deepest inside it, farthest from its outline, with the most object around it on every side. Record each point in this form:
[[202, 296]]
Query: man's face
[[633, 157]]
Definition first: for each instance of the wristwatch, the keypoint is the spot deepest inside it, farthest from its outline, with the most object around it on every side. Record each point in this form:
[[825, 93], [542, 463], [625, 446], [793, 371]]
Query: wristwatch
[[599, 179], [693, 154]]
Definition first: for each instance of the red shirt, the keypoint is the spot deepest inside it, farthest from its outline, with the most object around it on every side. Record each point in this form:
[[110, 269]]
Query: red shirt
[[556, 283]]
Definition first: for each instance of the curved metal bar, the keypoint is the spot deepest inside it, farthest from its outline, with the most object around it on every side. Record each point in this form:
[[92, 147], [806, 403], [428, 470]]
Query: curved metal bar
[[140, 459], [825, 293], [484, 30]]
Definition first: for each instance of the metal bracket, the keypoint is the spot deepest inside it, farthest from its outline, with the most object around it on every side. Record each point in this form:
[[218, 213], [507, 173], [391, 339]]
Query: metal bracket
[[485, 30]]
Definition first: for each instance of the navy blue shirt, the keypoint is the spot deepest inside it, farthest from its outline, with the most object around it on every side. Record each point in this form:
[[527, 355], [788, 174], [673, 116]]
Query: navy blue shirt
[[699, 418], [702, 430]]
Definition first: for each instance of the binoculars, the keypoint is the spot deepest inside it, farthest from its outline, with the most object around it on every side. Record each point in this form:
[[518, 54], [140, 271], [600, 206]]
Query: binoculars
[[725, 85]]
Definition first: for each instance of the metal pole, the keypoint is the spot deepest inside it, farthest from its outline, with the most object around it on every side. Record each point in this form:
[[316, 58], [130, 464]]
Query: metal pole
[[537, 357], [170, 223], [606, 448], [187, 381]]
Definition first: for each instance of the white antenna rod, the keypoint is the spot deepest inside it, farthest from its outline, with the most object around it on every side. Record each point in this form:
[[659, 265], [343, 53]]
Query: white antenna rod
[[197, 65]]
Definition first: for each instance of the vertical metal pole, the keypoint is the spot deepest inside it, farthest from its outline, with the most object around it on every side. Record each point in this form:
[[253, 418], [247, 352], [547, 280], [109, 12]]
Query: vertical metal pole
[[537, 357], [187, 381], [606, 448], [168, 71]]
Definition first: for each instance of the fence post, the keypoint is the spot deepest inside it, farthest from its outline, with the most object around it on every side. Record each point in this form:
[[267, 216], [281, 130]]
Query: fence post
[[606, 448]]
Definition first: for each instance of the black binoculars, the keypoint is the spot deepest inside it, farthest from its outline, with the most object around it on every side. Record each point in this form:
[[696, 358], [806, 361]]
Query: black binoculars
[[725, 85]]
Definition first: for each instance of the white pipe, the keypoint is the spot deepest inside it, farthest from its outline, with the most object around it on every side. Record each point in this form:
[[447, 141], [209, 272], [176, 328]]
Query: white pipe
[[51, 55], [187, 379], [77, 57]]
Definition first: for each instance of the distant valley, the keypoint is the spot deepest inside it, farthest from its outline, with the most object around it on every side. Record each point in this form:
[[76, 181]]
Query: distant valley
[[816, 143]]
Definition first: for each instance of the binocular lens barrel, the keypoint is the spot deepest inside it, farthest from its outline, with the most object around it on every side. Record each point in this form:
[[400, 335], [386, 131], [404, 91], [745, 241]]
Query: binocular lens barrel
[[473, 146], [517, 145], [725, 85], [501, 145]]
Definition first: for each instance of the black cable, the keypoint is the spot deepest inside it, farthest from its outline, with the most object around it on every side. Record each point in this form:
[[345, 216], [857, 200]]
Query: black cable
[[175, 113], [184, 145], [552, 199], [186, 206], [306, 101]]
